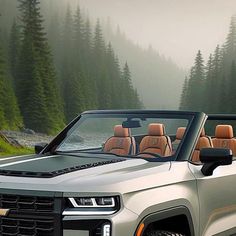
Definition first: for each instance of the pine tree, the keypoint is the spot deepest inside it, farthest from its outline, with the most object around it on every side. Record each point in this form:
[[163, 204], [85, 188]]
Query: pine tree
[[3, 122], [66, 65], [218, 75], [223, 106], [100, 75], [9, 111], [230, 45], [55, 112], [98, 42], [115, 82], [36, 98], [83, 82], [195, 98], [71, 74], [209, 85], [75, 99], [78, 32], [35, 68], [132, 101], [232, 86], [138, 103], [184, 95], [87, 36], [88, 59], [14, 49], [54, 39]]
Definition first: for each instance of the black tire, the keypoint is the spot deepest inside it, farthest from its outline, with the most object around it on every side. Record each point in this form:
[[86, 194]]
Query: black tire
[[162, 233]]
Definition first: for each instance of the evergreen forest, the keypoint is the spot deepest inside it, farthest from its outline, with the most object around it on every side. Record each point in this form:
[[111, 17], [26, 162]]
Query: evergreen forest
[[210, 86], [57, 61], [155, 76], [51, 70]]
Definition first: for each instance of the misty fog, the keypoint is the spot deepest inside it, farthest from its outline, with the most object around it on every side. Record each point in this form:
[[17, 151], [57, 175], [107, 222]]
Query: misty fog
[[159, 39], [175, 28]]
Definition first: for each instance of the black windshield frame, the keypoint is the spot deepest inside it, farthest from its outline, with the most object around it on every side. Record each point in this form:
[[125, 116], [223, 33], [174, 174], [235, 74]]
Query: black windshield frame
[[195, 122]]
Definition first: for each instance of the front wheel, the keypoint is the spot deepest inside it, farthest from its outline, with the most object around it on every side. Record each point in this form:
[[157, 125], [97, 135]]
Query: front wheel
[[162, 233]]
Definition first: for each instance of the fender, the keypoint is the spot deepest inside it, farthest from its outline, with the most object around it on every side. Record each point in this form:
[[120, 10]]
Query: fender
[[162, 215]]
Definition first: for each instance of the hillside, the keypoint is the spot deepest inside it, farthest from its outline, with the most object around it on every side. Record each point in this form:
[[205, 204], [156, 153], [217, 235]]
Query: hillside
[[53, 68], [215, 79], [157, 79]]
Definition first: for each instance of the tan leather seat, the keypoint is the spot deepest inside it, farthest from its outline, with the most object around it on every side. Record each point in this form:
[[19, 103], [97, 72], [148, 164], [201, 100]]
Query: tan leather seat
[[224, 138], [156, 141], [203, 142], [179, 136], [121, 143]]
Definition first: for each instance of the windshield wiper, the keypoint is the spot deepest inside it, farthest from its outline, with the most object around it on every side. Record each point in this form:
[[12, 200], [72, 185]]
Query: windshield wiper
[[86, 152], [74, 152], [156, 158]]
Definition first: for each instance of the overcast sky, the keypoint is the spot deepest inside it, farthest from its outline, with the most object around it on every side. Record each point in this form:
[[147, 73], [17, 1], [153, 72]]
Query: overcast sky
[[176, 28]]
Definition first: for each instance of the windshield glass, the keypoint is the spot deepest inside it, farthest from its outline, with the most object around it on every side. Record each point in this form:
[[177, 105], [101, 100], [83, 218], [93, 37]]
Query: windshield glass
[[145, 135]]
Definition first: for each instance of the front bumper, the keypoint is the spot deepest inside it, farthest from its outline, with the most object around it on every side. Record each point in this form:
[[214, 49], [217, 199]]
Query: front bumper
[[122, 223], [32, 215]]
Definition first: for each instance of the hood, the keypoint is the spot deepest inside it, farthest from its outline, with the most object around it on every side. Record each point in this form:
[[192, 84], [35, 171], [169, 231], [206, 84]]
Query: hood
[[80, 174]]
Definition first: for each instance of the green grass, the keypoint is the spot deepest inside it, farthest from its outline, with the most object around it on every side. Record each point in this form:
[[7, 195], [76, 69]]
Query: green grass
[[8, 150]]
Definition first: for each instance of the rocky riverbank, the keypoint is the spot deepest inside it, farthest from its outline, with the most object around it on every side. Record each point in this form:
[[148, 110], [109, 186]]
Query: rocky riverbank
[[27, 138]]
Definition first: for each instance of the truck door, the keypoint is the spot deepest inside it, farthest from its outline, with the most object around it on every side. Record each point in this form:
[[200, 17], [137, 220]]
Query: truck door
[[217, 200]]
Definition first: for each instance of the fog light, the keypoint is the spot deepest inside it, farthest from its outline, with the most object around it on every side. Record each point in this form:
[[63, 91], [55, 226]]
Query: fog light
[[106, 230]]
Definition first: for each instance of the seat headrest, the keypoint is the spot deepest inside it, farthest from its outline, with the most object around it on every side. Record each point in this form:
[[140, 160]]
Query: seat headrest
[[180, 133], [224, 131], [202, 134], [203, 142], [155, 129], [119, 131]]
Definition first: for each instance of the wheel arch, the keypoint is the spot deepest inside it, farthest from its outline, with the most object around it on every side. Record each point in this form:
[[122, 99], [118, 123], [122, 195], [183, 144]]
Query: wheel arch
[[180, 216]]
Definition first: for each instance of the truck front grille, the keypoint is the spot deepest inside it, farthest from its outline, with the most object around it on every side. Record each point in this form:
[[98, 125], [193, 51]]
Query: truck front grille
[[27, 203], [26, 227], [31, 216]]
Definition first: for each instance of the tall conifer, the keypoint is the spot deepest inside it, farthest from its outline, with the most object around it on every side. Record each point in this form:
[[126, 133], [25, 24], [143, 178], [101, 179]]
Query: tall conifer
[[9, 111], [195, 98], [100, 70], [35, 68], [184, 95], [230, 44], [14, 49], [208, 85], [232, 88]]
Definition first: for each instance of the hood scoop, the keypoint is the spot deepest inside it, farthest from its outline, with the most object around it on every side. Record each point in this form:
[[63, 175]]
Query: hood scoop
[[53, 166]]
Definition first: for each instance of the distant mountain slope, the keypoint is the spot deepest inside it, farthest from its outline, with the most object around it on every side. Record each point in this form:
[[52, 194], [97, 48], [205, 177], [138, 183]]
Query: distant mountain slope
[[157, 79]]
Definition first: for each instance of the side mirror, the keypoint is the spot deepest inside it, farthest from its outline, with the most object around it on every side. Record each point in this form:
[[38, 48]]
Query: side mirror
[[39, 147], [214, 157]]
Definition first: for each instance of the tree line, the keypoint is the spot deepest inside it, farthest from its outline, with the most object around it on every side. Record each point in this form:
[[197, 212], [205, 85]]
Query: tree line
[[164, 76], [48, 79], [211, 87]]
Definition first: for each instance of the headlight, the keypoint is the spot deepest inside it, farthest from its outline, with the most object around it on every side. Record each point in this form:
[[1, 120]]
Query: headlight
[[92, 206], [93, 202]]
